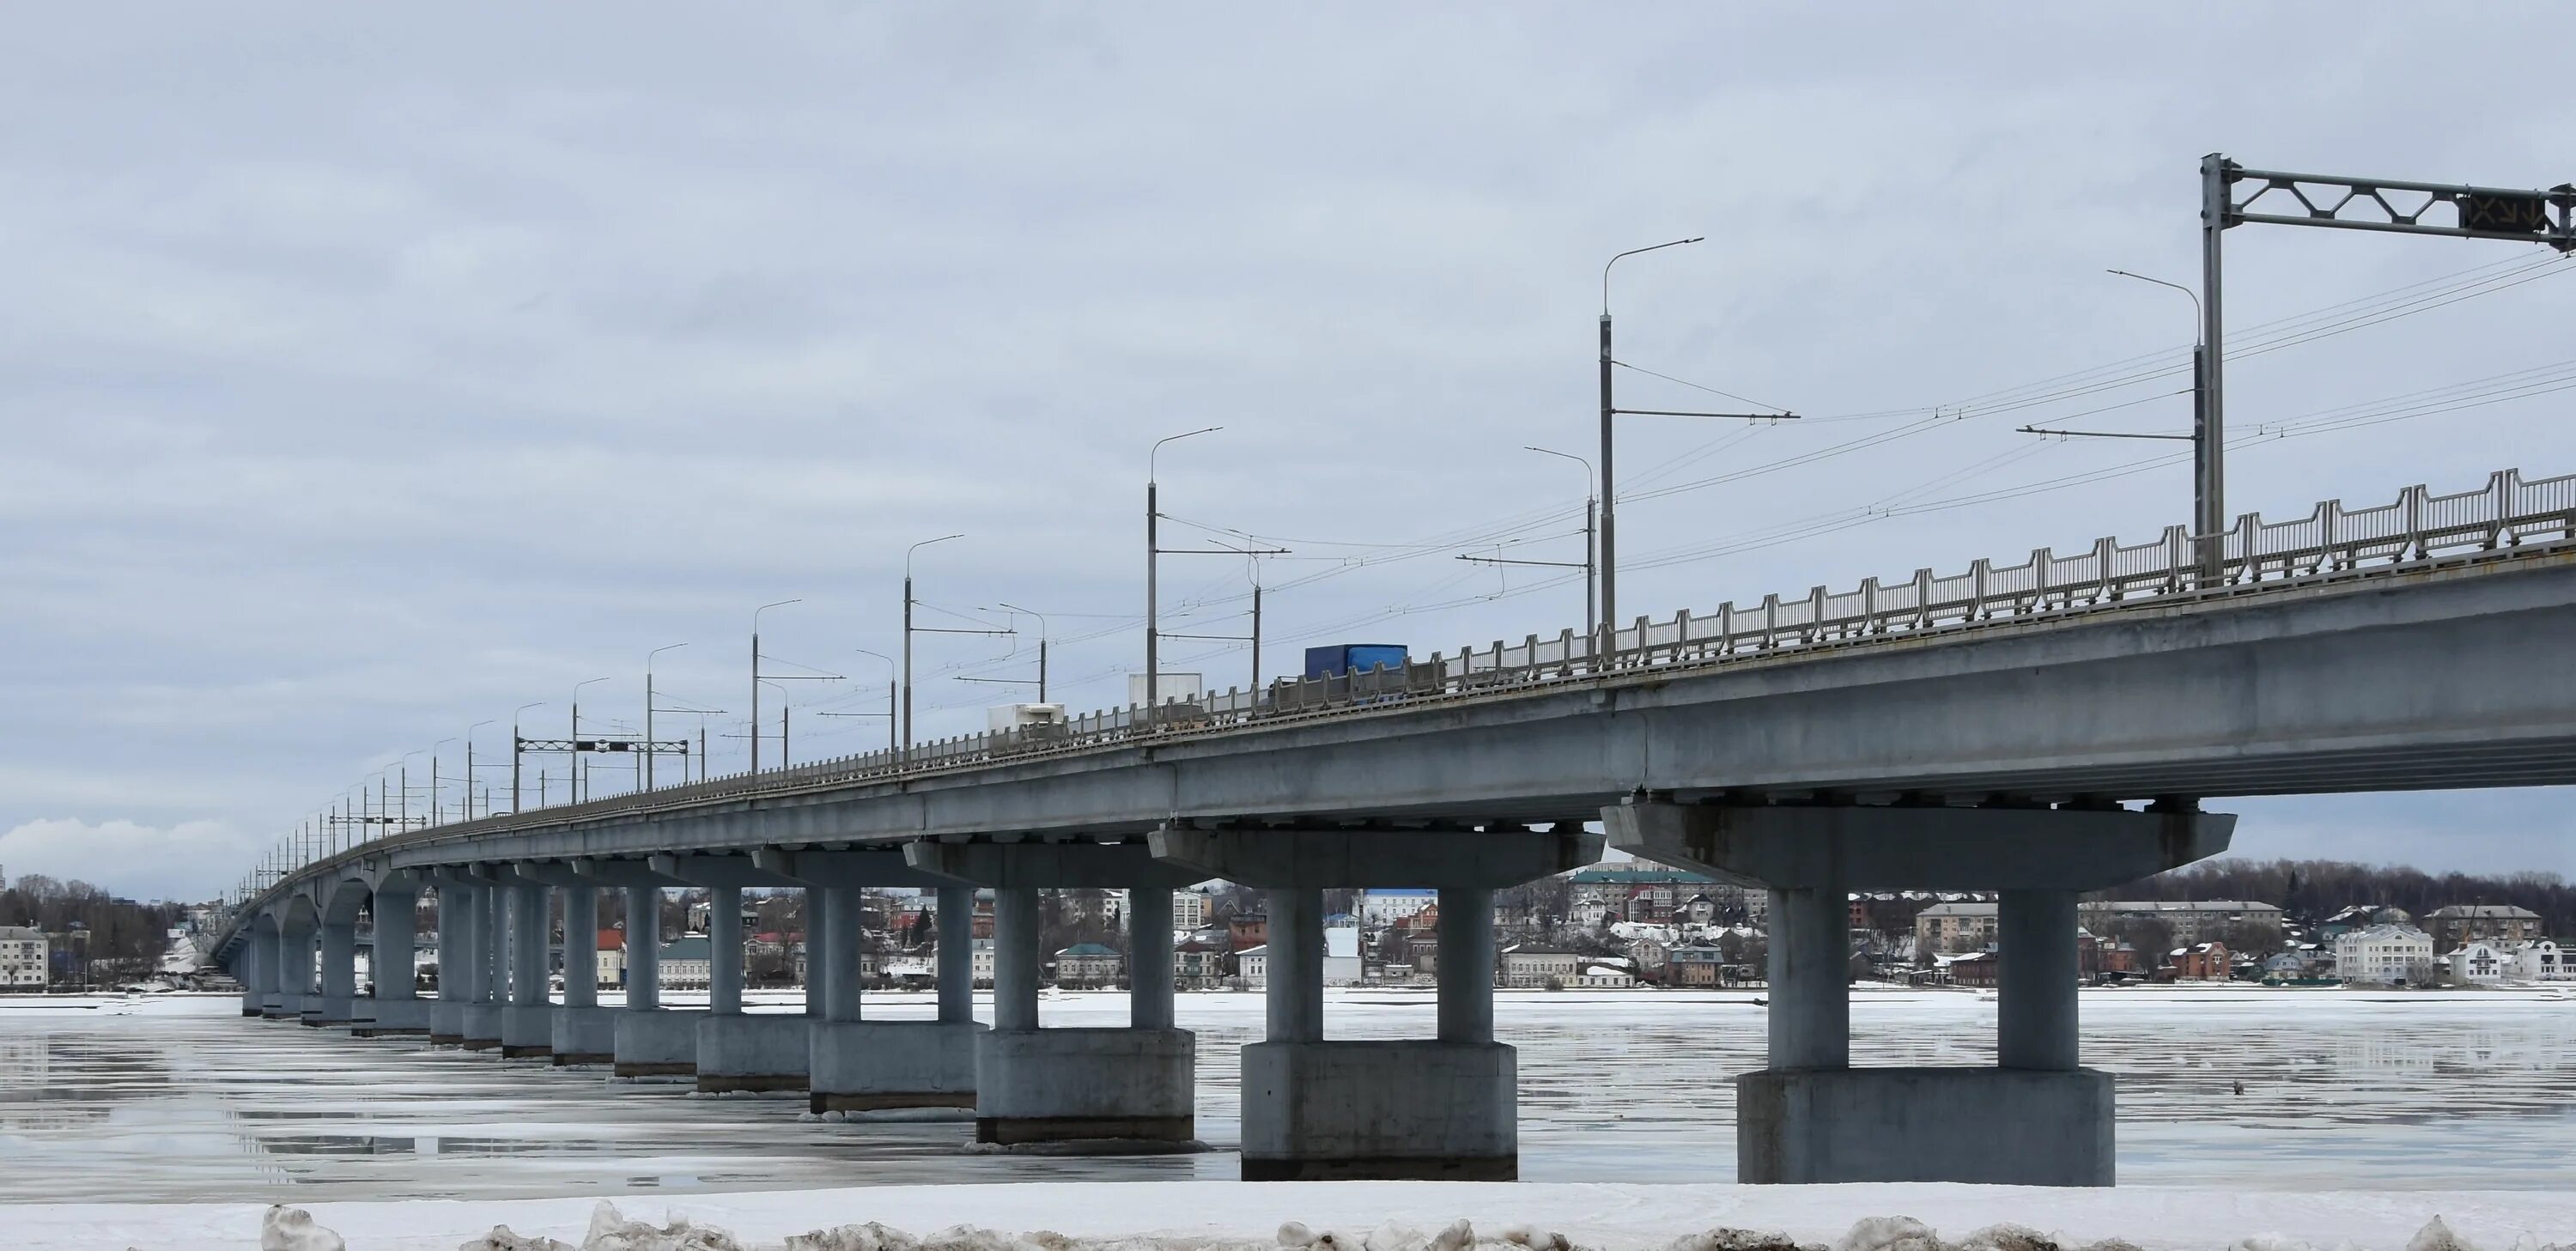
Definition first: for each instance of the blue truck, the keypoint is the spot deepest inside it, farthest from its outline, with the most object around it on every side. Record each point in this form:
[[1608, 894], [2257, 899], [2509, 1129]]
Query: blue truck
[[1342, 658]]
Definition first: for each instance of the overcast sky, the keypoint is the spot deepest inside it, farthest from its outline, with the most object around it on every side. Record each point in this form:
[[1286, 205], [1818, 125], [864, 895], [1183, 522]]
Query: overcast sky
[[367, 373]]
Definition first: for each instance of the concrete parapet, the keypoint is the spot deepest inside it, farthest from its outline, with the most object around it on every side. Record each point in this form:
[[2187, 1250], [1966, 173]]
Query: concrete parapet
[[527, 1031], [767, 1052], [482, 1027], [1051, 1085], [2014, 1127], [657, 1043], [389, 1018], [869, 1066], [1398, 1109], [585, 1035], [446, 1021]]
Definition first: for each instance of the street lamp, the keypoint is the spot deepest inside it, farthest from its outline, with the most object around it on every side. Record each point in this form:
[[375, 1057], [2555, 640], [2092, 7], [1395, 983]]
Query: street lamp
[[890, 696], [652, 749], [1609, 534], [469, 769], [435, 794], [755, 676], [516, 741], [572, 771], [907, 637], [1043, 631], [1153, 661], [1591, 625]]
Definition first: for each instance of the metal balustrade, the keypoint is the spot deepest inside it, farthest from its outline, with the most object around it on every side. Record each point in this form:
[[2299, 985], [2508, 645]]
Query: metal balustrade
[[2329, 540]]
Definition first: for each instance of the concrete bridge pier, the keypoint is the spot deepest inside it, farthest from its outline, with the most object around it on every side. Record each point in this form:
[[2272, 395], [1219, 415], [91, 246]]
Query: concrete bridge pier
[[490, 995], [1068, 1084], [250, 968], [455, 960], [396, 1008], [647, 1040], [857, 1065], [2038, 1118], [584, 1032], [738, 1050], [1445, 1108], [528, 1019], [294, 963], [339, 981]]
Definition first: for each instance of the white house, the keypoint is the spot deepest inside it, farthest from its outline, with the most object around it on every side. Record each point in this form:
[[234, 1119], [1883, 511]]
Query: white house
[[2539, 960], [1252, 964], [1598, 976], [2396, 955], [983, 961], [22, 958], [1529, 967], [687, 962], [2475, 963], [1386, 907]]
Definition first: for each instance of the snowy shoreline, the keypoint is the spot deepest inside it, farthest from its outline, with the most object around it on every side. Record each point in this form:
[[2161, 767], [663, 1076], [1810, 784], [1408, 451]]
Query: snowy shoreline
[[1368, 1216]]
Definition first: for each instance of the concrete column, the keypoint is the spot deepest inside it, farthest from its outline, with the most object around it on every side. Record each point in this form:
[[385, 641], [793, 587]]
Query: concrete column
[[446, 946], [339, 961], [2035, 1024], [836, 956], [956, 954], [724, 936], [249, 968], [287, 996], [391, 961], [1810, 979], [1296, 991], [495, 914], [529, 940], [1015, 958], [818, 920], [581, 946], [459, 926], [1466, 933], [643, 948], [1149, 958]]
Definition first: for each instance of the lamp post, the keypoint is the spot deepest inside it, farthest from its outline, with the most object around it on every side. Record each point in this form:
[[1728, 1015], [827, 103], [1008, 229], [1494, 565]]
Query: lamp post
[[755, 676], [2208, 490], [469, 769], [650, 748], [907, 637], [515, 741], [1042, 644], [1609, 533], [890, 695], [1591, 620], [572, 769], [435, 794], [1153, 660]]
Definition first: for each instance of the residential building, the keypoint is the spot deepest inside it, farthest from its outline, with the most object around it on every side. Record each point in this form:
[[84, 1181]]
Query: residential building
[[1528, 966], [2190, 920], [1342, 965], [2361, 917], [23, 957], [2200, 962], [2474, 963], [1975, 969], [1190, 909], [1088, 964], [1965, 925], [1650, 955], [2496, 923], [612, 957], [2396, 955], [2541, 960], [1252, 964], [1199, 964], [1694, 966], [1247, 930], [1635, 892], [1602, 977], [1386, 907], [688, 963], [983, 961]]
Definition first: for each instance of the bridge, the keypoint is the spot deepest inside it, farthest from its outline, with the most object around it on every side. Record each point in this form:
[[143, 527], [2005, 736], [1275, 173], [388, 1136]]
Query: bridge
[[2036, 729]]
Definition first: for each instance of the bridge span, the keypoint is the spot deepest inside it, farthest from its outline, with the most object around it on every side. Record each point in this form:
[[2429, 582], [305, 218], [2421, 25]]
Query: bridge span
[[2038, 730]]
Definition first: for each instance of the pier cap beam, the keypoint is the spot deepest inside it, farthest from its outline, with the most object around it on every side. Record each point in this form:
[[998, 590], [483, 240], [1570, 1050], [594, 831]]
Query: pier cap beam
[[1857, 847], [1048, 866], [719, 870], [883, 866], [620, 874], [1297, 859]]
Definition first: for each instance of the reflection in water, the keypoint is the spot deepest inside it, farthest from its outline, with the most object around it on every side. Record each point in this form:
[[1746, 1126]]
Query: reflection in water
[[175, 1099]]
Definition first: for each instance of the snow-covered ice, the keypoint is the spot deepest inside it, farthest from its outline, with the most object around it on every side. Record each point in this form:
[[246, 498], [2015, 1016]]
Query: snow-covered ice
[[174, 1098]]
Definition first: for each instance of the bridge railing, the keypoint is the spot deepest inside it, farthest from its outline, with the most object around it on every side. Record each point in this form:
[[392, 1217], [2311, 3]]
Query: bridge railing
[[2417, 525]]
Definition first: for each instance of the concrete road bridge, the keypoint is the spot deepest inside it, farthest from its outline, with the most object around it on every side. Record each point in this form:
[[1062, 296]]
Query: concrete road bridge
[[2037, 729]]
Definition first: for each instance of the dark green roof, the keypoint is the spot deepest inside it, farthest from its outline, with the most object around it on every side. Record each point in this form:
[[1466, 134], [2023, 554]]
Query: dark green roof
[[1086, 949]]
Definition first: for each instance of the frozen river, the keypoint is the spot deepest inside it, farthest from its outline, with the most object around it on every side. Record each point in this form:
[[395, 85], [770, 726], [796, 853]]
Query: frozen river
[[183, 1099]]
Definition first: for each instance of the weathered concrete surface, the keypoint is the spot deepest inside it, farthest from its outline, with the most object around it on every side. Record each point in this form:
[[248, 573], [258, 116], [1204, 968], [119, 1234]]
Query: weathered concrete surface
[[765, 1052], [1053, 1085], [868, 1066], [482, 1027], [447, 1022], [391, 1018], [659, 1043], [330, 1010], [1999, 1126], [527, 1031], [585, 1035], [1396, 1109]]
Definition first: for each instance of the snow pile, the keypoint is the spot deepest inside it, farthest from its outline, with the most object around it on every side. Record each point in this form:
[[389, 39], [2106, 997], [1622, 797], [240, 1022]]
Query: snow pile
[[293, 1229]]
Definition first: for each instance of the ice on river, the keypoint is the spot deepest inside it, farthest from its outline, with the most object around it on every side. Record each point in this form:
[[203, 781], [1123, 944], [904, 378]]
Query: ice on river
[[181, 1099]]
